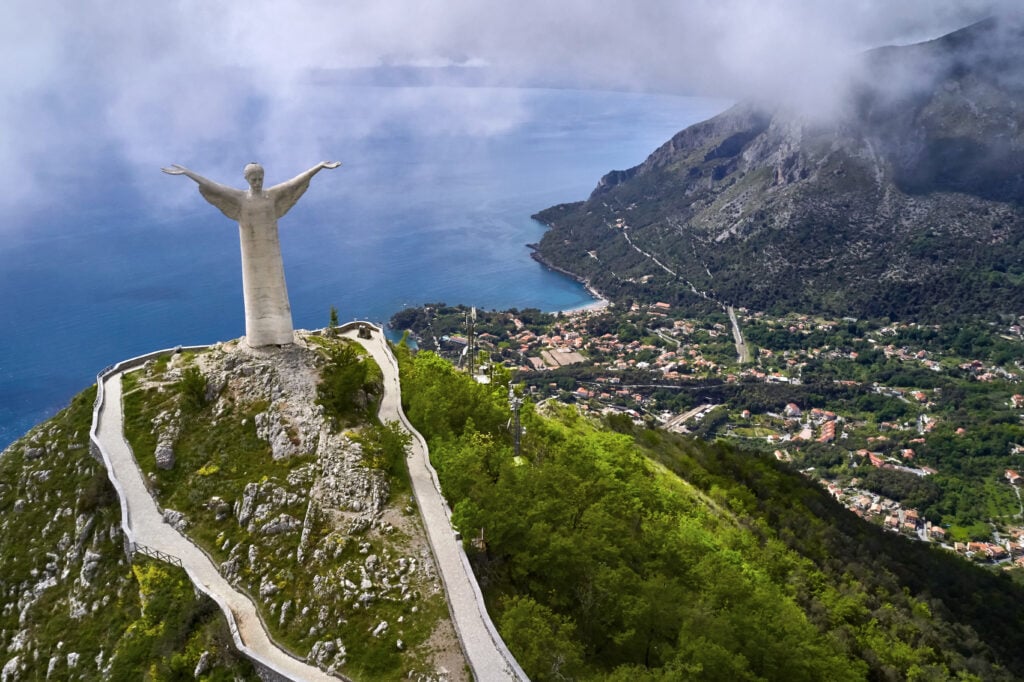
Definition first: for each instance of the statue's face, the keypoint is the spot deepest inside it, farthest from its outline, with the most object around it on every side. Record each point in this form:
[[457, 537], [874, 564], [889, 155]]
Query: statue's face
[[255, 179]]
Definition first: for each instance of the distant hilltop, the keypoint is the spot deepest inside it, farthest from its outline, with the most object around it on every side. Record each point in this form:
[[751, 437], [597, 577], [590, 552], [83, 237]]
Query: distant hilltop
[[910, 204]]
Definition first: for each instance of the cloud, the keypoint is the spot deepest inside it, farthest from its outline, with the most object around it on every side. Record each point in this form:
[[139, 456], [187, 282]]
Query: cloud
[[158, 81]]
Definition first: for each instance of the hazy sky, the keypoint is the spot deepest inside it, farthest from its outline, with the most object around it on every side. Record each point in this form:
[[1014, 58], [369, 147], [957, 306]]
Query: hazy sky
[[159, 80]]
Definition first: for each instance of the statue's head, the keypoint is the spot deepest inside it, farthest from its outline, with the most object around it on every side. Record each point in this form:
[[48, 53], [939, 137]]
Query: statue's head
[[253, 173]]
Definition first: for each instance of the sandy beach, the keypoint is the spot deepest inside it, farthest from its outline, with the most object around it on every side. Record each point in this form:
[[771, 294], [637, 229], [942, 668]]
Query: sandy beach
[[600, 304]]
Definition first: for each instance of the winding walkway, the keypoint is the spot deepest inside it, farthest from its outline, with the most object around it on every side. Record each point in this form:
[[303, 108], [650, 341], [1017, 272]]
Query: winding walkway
[[485, 651], [143, 524]]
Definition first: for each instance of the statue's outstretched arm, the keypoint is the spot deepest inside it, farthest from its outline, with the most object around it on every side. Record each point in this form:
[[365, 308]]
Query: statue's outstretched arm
[[227, 199], [288, 192], [305, 176], [176, 169]]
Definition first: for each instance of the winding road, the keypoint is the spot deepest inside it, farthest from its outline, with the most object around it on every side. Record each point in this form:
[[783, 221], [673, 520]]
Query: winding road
[[742, 351], [143, 524]]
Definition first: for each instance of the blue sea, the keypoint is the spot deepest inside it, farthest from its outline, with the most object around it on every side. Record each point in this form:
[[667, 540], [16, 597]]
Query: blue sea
[[421, 211]]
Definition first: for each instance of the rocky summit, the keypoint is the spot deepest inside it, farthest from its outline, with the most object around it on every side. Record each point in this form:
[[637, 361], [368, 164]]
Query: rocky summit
[[909, 203], [241, 455], [331, 548]]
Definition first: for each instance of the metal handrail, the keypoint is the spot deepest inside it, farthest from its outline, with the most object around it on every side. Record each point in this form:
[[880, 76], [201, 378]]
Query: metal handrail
[[155, 554]]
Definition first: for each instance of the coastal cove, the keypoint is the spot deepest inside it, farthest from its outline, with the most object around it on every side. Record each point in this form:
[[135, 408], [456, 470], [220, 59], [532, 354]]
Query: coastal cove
[[130, 262]]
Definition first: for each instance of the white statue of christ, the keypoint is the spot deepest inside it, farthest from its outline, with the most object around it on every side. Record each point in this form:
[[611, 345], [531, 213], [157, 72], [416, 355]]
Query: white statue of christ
[[268, 317]]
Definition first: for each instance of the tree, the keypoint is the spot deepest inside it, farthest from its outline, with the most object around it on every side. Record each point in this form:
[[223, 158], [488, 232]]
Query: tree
[[744, 571], [543, 640], [332, 323], [192, 387], [384, 446], [345, 382]]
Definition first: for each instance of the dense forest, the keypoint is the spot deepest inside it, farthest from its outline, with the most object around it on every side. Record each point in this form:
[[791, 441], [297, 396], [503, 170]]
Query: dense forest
[[617, 552]]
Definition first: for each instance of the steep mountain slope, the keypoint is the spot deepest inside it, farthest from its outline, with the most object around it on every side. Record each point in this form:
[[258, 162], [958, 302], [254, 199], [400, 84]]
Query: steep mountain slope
[[608, 551], [911, 204], [72, 607], [271, 461]]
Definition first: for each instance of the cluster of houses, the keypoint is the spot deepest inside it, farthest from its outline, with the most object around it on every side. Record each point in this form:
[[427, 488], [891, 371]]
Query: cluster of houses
[[803, 324], [608, 391], [570, 343], [906, 354], [907, 521], [889, 513], [825, 421], [981, 372], [880, 461]]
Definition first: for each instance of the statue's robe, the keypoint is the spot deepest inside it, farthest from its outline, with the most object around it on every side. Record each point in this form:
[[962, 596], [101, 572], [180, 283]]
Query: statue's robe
[[268, 316]]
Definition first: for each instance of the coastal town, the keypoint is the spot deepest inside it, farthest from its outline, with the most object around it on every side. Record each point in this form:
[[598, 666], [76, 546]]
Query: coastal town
[[915, 428]]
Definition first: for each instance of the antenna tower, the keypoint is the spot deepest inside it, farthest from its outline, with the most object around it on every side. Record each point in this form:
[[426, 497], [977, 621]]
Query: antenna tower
[[471, 339], [515, 402]]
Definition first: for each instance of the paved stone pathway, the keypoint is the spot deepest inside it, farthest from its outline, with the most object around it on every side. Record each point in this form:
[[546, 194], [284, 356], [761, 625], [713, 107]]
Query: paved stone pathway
[[146, 526], [486, 652]]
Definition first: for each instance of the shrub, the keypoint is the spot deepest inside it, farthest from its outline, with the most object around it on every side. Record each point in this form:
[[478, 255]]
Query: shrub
[[192, 388]]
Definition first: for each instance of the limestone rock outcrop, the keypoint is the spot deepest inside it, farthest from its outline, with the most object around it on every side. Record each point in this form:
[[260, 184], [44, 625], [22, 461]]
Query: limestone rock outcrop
[[312, 532]]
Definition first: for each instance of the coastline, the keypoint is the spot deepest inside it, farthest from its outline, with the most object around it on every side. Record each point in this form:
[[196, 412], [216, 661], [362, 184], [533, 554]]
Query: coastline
[[595, 306], [600, 302]]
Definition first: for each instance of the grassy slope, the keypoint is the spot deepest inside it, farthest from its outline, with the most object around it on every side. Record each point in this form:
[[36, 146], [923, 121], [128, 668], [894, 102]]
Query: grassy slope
[[72, 606], [218, 454]]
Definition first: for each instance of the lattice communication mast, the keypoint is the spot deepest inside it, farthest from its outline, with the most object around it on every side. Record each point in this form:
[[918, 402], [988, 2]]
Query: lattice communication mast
[[515, 402], [471, 340]]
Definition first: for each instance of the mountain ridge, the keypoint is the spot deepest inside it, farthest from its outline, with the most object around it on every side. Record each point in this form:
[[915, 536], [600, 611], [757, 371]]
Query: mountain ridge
[[910, 204]]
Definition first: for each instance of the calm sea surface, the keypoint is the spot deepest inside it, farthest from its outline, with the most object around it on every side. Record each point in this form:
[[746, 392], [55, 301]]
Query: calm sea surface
[[418, 213]]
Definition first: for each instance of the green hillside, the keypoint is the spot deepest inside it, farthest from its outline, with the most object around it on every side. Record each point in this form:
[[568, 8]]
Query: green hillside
[[283, 476], [73, 607], [615, 552]]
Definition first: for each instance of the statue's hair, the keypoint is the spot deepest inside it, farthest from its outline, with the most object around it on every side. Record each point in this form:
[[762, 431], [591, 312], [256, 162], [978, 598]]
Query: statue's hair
[[251, 168]]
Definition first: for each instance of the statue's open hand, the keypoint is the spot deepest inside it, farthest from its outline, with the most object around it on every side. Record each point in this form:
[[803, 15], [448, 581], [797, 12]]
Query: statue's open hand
[[330, 164], [175, 169]]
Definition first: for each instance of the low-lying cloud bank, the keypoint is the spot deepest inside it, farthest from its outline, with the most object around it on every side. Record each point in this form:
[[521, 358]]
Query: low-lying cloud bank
[[157, 82]]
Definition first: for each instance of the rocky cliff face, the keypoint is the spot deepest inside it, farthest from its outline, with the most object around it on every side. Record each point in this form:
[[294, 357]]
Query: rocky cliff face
[[910, 204]]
